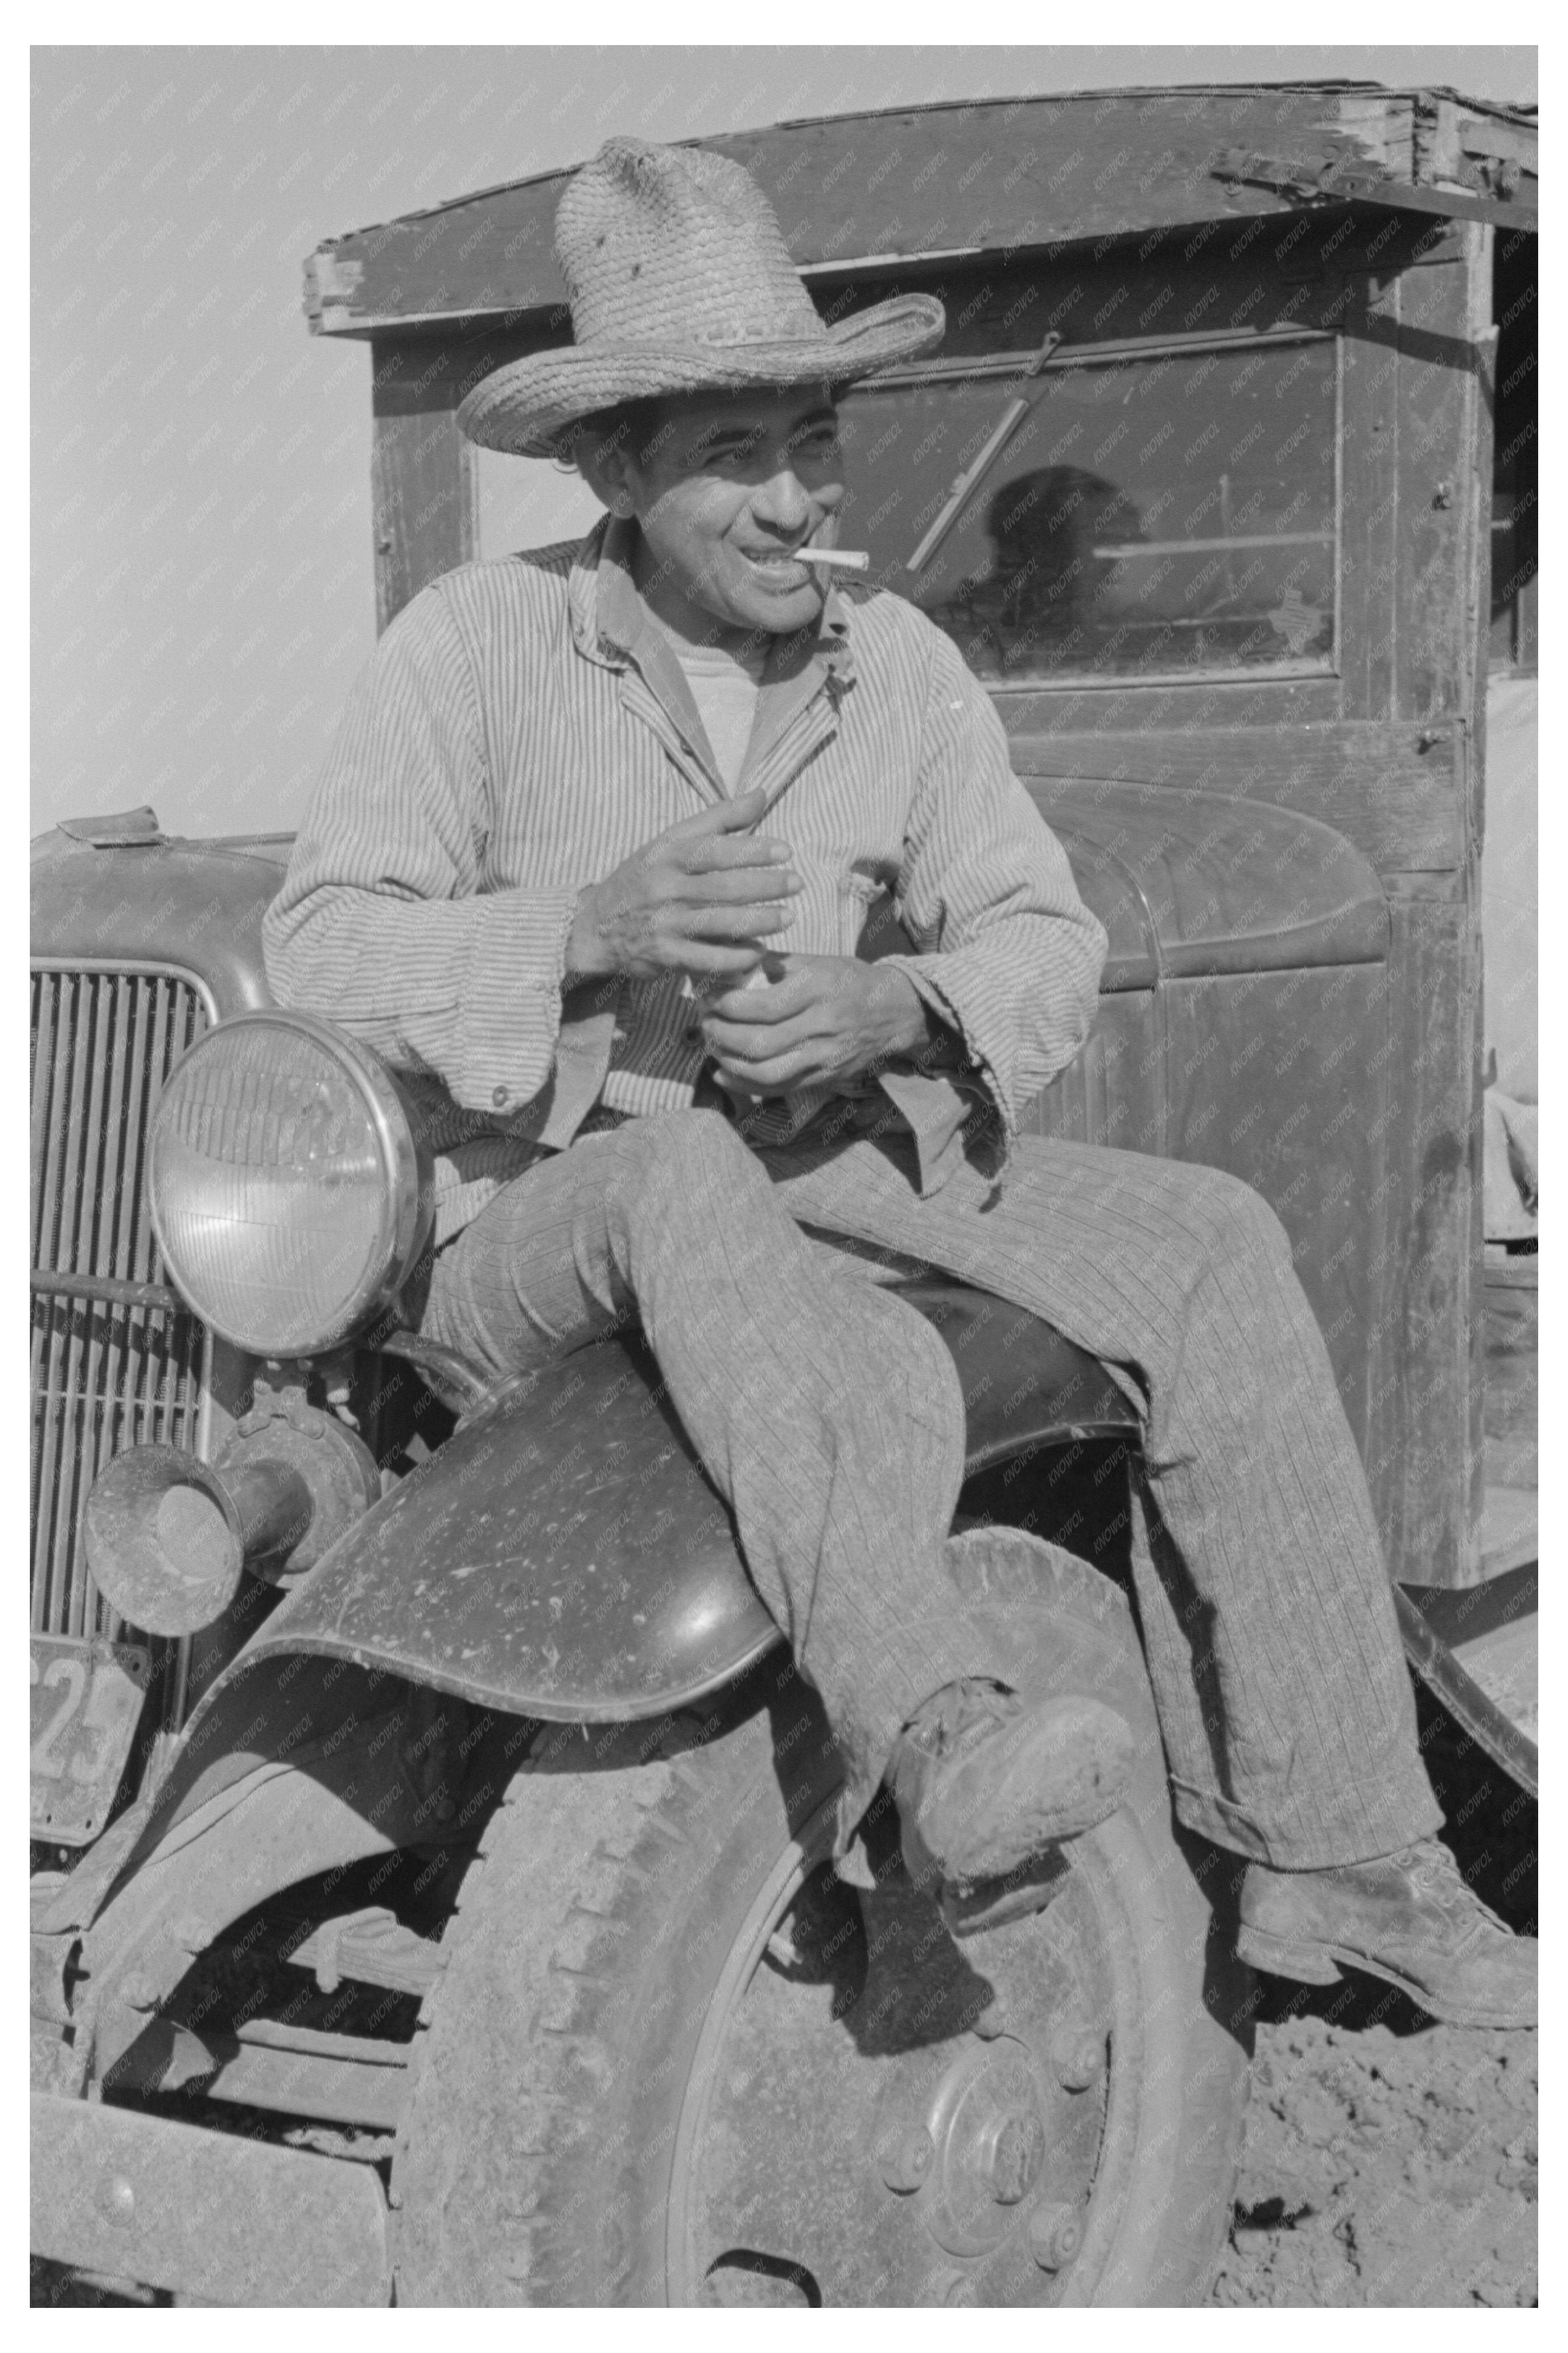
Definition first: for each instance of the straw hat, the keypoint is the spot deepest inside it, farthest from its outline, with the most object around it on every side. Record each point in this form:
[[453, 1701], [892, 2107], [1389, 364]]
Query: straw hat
[[679, 281]]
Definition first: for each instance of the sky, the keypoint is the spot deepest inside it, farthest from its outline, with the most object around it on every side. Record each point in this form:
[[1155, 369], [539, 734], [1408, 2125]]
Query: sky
[[202, 592]]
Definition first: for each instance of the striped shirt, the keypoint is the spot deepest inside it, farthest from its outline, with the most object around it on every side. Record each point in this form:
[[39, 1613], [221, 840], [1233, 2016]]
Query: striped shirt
[[523, 727]]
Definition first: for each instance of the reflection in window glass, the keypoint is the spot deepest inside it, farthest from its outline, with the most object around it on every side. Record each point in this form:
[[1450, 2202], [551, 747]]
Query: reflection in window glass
[[1151, 516]]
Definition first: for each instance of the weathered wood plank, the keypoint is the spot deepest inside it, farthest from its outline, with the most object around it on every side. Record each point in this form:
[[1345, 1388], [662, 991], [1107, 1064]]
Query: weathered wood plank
[[1395, 792], [1222, 704], [1230, 281], [1281, 1081], [1427, 1380], [1369, 495], [1439, 450], [1499, 152], [1440, 637], [1480, 460], [423, 497], [998, 174]]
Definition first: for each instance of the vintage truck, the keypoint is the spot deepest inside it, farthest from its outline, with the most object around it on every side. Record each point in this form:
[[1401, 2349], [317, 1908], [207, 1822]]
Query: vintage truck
[[429, 1895]]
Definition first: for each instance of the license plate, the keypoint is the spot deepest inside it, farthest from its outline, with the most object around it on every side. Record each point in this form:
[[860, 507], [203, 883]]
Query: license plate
[[86, 1700]]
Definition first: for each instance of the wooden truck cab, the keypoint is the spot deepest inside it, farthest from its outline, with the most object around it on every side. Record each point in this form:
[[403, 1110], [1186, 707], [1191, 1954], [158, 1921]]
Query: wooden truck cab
[[1240, 544]]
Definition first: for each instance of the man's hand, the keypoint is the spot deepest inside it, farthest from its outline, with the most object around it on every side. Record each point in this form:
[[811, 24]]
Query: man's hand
[[818, 1019], [700, 898]]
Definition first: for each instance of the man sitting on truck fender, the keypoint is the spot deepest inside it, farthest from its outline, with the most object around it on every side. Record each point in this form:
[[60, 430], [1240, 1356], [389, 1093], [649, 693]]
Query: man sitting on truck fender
[[591, 857]]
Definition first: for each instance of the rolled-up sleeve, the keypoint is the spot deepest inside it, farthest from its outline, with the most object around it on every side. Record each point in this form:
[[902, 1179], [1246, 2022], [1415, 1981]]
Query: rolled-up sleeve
[[380, 923], [1008, 953]]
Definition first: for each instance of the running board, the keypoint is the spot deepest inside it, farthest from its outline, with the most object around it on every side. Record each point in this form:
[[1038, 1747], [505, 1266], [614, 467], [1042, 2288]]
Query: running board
[[1474, 1647], [211, 2215]]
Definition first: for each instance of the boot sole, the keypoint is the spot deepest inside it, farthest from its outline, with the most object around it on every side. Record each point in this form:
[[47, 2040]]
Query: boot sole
[[1319, 1963], [996, 1902], [1002, 1832]]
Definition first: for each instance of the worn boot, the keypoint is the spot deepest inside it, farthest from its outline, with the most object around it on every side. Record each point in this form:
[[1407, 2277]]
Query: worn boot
[[1408, 1917], [987, 1782]]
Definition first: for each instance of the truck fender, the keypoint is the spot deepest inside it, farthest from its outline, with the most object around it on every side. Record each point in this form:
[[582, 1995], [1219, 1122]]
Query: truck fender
[[565, 1556]]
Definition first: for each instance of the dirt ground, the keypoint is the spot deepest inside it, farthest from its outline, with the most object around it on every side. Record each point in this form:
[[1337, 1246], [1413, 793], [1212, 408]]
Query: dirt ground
[[1388, 2160]]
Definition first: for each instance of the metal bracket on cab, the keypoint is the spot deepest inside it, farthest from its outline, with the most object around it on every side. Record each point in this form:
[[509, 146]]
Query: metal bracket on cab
[[1349, 180]]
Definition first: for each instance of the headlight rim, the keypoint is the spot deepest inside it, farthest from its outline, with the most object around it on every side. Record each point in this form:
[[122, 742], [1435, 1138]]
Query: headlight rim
[[406, 1212]]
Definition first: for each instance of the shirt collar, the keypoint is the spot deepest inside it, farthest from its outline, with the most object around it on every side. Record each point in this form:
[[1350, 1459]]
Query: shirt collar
[[609, 616]]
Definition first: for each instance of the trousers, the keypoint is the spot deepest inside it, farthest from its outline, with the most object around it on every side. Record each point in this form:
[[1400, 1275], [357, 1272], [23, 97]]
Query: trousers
[[827, 1412]]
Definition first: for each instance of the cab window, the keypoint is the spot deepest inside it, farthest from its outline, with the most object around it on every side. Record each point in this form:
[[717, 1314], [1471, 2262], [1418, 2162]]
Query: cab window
[[1155, 514]]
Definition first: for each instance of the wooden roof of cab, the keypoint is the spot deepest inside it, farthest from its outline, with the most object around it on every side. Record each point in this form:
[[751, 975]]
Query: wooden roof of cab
[[871, 193]]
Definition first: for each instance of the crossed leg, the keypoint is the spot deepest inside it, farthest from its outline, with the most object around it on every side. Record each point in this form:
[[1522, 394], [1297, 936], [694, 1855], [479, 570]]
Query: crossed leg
[[827, 1413]]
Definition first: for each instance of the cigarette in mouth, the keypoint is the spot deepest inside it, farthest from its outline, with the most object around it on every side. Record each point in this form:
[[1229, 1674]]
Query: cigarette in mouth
[[838, 559]]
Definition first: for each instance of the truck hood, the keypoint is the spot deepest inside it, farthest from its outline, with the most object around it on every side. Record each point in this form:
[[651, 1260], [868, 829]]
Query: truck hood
[[189, 906]]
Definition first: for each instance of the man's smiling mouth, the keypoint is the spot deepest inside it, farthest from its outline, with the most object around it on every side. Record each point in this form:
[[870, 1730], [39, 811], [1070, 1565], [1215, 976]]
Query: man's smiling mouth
[[776, 559]]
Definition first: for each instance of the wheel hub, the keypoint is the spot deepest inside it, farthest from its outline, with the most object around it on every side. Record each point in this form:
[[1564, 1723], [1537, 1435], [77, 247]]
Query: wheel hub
[[988, 2125], [898, 2118]]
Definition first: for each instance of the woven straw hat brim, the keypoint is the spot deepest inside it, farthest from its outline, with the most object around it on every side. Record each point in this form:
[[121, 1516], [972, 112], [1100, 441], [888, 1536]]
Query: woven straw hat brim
[[524, 405]]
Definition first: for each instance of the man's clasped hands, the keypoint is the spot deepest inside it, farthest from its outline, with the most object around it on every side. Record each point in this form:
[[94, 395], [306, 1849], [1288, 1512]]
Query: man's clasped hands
[[705, 898]]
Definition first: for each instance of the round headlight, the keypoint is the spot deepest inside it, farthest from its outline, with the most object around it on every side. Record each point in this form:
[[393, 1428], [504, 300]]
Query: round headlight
[[285, 1183]]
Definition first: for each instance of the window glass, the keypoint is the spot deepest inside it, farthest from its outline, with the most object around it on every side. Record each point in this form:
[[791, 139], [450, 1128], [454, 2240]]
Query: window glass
[[1148, 515]]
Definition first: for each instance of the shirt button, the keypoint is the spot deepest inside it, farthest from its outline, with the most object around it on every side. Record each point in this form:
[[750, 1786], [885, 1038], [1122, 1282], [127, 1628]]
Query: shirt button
[[499, 1097]]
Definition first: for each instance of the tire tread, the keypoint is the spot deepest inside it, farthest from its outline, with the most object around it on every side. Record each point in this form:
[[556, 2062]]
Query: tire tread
[[579, 1870]]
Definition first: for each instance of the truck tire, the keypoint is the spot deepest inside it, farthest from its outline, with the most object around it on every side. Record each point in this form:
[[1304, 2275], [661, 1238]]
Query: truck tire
[[673, 2059]]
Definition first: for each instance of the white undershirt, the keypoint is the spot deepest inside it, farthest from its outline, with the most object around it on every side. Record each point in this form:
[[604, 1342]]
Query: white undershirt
[[724, 689]]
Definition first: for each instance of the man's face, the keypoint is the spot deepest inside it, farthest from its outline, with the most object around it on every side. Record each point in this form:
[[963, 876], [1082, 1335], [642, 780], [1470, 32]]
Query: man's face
[[723, 493]]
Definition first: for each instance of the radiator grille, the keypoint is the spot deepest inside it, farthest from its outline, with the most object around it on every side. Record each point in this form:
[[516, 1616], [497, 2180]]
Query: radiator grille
[[106, 1373]]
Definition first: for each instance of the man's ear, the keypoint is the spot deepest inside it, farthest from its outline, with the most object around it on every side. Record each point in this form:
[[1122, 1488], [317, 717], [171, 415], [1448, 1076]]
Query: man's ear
[[607, 468]]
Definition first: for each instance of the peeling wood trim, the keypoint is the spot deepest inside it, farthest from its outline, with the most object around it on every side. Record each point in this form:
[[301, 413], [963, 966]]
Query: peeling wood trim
[[487, 257]]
